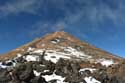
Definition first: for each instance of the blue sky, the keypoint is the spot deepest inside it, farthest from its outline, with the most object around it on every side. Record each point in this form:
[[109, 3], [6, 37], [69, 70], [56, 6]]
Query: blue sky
[[99, 22]]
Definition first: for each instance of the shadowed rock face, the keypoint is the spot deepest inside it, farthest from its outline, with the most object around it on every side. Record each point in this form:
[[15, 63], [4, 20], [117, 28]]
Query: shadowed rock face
[[60, 58]]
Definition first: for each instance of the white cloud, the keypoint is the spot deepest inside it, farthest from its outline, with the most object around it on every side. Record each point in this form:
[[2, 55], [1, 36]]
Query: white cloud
[[19, 6], [73, 12]]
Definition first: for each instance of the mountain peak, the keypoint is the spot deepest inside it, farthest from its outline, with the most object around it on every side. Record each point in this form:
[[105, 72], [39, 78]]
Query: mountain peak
[[61, 41], [60, 33], [60, 58]]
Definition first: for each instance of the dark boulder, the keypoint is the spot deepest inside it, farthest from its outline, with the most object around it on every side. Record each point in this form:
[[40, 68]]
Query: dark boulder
[[38, 79], [4, 76], [24, 72]]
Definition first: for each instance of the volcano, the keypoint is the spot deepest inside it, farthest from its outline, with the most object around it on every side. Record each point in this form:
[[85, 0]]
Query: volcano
[[63, 41], [59, 58]]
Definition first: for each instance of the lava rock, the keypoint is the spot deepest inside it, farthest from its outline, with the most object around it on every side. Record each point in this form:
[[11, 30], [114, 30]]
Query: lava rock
[[4, 76], [38, 79]]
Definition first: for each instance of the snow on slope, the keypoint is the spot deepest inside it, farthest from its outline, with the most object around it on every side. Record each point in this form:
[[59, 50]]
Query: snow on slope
[[84, 69], [2, 66], [91, 80], [105, 62], [55, 55], [69, 53], [36, 73], [11, 63], [48, 78], [32, 58], [59, 79]]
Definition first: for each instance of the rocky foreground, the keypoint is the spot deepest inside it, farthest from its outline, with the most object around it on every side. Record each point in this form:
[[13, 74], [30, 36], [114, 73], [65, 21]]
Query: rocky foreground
[[31, 70]]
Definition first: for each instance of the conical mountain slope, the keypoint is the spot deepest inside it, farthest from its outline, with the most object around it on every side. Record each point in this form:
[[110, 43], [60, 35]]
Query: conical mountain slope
[[62, 42], [60, 58]]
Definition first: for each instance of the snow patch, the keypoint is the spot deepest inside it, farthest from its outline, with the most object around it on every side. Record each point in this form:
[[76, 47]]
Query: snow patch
[[59, 79], [36, 73], [32, 58], [55, 41], [19, 55], [91, 80], [54, 56], [105, 62], [42, 65], [75, 53], [3, 66], [40, 51], [46, 70], [84, 69], [30, 49]]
